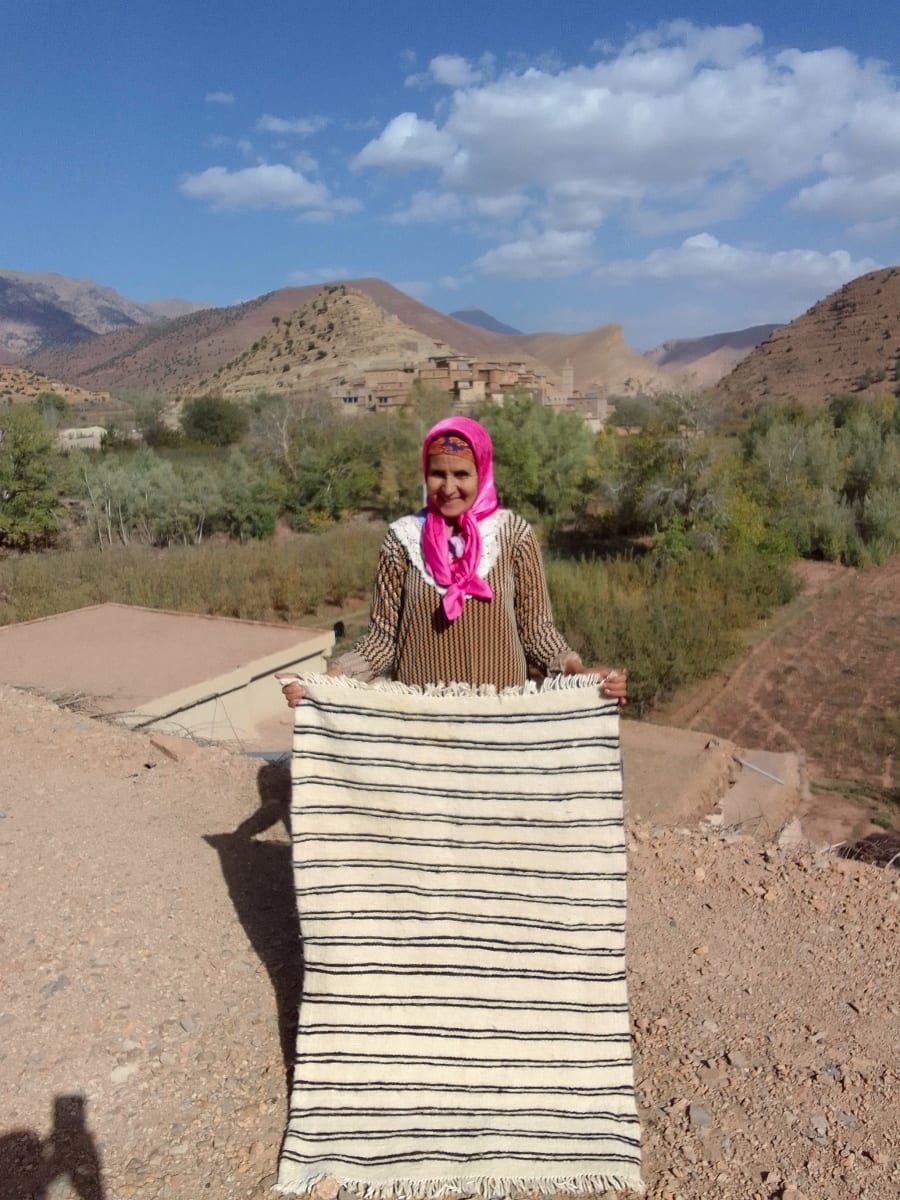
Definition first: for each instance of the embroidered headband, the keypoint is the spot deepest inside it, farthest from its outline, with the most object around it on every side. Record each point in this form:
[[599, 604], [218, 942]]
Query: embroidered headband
[[449, 443]]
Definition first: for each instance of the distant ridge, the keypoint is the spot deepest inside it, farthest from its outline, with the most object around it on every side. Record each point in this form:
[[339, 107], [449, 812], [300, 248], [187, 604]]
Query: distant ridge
[[172, 308], [41, 309], [700, 362], [683, 351], [209, 348], [482, 320]]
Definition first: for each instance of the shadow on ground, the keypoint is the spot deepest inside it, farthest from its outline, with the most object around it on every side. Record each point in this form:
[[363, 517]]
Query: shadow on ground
[[260, 881], [31, 1164]]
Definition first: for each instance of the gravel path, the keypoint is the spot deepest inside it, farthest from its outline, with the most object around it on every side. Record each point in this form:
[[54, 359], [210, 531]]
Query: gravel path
[[150, 964]]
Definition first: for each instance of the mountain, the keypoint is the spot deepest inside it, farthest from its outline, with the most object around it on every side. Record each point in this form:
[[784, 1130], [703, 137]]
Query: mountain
[[204, 349], [482, 320], [848, 342], [600, 359], [336, 335], [703, 361], [172, 308], [41, 309]]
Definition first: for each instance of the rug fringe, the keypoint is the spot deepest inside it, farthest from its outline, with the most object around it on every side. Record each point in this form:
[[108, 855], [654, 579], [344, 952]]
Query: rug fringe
[[553, 683], [482, 1187]]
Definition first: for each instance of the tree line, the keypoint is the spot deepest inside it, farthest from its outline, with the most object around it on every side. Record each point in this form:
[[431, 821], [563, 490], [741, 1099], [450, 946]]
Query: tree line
[[781, 482]]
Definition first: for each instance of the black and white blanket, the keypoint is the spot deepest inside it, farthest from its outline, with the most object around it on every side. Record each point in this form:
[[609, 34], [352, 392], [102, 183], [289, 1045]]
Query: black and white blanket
[[459, 863]]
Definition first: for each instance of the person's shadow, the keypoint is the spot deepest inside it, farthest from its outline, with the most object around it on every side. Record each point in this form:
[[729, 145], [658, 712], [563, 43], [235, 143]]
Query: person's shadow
[[29, 1164], [260, 881]]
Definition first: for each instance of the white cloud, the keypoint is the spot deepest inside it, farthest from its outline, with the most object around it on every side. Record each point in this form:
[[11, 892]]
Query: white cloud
[[848, 196], [681, 127], [450, 283], [502, 207], [429, 206], [407, 141], [305, 162], [875, 230], [704, 259], [551, 253], [220, 142], [453, 71], [267, 186], [300, 125], [219, 98], [341, 205]]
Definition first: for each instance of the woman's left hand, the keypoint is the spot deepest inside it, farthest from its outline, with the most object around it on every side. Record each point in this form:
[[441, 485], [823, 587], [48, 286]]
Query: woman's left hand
[[613, 683]]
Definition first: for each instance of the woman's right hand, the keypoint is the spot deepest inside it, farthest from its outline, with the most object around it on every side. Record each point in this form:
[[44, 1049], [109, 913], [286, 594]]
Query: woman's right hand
[[292, 689]]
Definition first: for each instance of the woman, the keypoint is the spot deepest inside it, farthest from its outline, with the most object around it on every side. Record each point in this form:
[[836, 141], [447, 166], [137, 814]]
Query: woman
[[460, 592]]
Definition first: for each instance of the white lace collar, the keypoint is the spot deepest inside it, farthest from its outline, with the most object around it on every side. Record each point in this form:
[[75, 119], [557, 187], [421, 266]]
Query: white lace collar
[[408, 531]]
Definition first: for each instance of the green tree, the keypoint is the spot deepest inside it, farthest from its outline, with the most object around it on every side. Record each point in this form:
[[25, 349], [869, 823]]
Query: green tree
[[214, 421], [27, 496], [543, 458], [249, 499], [52, 408], [149, 420]]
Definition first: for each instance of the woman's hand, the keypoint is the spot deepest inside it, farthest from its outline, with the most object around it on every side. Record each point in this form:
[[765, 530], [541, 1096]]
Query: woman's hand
[[613, 680], [292, 689], [613, 683]]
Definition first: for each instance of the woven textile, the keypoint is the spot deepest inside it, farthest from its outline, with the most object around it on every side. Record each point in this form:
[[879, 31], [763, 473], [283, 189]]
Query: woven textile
[[460, 871]]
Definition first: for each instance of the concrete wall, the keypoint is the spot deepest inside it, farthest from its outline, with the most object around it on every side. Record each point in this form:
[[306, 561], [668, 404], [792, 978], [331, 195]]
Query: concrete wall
[[235, 707]]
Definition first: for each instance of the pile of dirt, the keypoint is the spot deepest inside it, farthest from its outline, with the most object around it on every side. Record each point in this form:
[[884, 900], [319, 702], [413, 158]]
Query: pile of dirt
[[151, 965]]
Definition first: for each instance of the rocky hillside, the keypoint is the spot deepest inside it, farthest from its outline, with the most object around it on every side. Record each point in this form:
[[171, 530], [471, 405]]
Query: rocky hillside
[[191, 353], [21, 385], [848, 342], [176, 358], [337, 334]]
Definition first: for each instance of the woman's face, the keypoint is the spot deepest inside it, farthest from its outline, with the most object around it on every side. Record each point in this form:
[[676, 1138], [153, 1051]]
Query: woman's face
[[452, 484]]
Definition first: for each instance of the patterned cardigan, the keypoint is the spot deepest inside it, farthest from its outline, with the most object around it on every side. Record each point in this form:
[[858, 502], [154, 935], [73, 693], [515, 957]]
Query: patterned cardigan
[[495, 641]]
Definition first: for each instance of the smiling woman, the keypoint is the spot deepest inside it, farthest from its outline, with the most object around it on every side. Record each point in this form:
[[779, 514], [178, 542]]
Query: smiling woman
[[460, 594]]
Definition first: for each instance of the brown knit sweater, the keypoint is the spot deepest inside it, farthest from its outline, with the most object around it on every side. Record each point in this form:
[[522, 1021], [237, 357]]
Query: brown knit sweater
[[492, 641]]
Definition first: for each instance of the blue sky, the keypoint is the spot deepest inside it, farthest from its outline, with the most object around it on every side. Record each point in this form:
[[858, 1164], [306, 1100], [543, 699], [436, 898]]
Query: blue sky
[[682, 170]]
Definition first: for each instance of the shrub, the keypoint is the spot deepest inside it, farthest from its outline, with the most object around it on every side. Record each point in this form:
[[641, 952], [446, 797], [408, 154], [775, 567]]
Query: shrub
[[214, 421]]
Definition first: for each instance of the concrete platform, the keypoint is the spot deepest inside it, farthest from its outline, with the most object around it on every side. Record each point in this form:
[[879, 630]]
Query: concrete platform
[[209, 677], [681, 777]]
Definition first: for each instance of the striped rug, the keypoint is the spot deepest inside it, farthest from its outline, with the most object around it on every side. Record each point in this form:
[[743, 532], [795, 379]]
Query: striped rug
[[460, 872]]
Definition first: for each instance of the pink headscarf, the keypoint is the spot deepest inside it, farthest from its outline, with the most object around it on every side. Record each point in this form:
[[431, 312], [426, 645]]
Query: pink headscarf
[[459, 575]]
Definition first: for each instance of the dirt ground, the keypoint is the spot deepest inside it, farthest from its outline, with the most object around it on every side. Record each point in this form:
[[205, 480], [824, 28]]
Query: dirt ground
[[150, 971], [822, 679]]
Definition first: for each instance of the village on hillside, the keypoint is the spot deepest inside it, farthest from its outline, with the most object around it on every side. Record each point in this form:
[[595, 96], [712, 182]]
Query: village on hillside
[[469, 382]]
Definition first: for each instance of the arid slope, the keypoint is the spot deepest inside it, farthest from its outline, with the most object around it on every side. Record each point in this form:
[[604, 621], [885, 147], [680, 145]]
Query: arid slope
[[848, 342]]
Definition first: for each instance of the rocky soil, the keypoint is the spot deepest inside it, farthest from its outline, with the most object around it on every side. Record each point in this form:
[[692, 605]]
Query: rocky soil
[[150, 965]]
